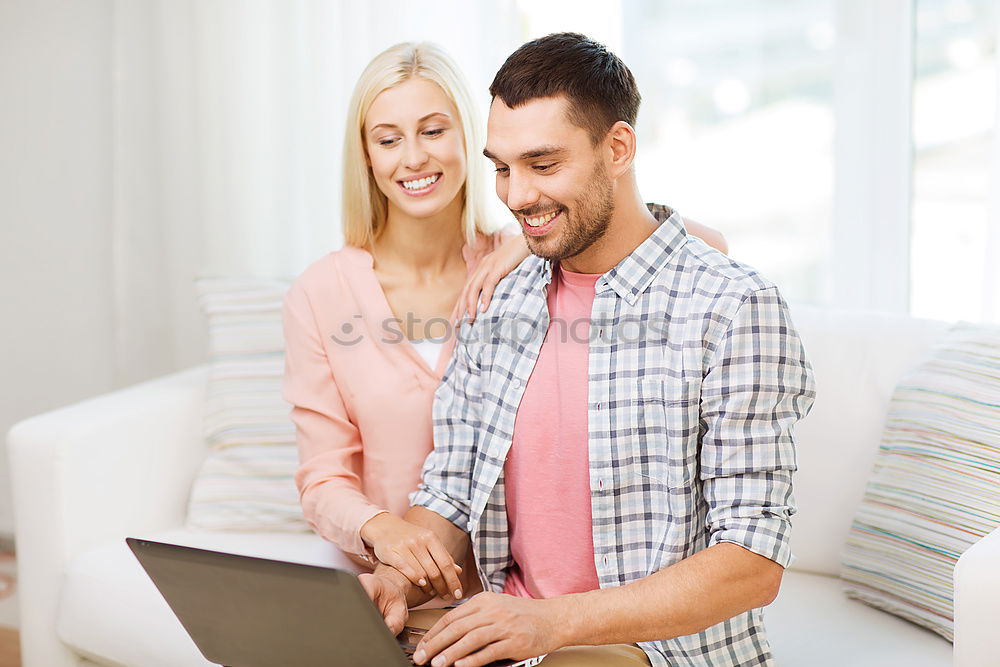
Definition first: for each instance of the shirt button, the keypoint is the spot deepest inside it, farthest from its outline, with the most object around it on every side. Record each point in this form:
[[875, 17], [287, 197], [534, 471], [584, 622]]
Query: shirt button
[[516, 383]]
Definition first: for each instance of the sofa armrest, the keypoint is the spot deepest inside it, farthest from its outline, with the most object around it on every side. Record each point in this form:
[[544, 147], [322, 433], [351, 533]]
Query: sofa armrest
[[96, 471], [977, 603]]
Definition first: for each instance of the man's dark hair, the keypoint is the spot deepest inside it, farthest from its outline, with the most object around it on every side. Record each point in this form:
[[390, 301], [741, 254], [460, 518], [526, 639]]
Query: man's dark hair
[[600, 88]]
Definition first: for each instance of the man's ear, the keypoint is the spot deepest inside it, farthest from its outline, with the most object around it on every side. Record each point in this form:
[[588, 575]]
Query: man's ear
[[620, 142]]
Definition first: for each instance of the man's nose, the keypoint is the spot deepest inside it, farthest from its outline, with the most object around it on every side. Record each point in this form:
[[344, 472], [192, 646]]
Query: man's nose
[[521, 192]]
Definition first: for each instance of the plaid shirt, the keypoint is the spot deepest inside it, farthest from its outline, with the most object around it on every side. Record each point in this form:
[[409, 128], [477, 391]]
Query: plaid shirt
[[696, 379]]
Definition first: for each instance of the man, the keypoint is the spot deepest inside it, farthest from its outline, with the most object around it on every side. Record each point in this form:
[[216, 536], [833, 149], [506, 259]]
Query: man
[[633, 485]]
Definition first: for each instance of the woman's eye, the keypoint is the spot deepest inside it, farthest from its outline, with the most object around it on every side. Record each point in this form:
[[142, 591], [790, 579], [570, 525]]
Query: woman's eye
[[386, 142]]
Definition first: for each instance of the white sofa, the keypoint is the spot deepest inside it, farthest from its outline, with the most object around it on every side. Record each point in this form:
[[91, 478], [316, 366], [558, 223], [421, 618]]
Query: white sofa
[[88, 475]]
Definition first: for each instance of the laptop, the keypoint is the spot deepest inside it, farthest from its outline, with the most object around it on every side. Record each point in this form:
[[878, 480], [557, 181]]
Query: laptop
[[254, 612]]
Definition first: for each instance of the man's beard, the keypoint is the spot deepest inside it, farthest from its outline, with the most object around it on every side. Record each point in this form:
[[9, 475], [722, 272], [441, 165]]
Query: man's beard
[[588, 224]]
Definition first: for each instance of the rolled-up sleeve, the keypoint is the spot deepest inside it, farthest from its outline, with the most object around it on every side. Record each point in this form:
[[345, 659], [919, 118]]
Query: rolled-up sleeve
[[758, 386], [446, 481], [330, 447]]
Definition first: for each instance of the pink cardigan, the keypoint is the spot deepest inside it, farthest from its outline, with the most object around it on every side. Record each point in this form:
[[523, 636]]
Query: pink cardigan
[[361, 394]]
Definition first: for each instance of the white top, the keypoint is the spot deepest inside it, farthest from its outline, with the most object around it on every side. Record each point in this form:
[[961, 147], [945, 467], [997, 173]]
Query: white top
[[429, 349]]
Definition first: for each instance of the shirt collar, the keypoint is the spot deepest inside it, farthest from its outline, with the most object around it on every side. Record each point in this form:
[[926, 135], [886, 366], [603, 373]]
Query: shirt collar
[[631, 276]]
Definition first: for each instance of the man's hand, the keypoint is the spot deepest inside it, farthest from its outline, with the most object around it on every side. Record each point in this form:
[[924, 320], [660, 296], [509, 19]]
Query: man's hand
[[489, 627], [389, 598]]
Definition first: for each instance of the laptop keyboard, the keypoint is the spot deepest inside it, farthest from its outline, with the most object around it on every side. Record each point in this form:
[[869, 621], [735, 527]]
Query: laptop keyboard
[[408, 649], [408, 641]]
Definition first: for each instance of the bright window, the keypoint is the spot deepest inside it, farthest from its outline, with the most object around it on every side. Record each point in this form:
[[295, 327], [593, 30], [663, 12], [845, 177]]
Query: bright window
[[846, 148], [954, 109], [737, 125]]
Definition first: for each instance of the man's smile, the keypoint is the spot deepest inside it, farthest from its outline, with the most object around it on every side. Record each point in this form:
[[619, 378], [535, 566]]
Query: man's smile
[[540, 224]]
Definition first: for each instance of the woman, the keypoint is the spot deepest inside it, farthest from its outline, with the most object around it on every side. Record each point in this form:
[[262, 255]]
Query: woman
[[366, 327]]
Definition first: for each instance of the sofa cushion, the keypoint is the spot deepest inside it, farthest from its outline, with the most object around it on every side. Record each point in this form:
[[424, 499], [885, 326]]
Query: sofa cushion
[[858, 357], [812, 623], [247, 479], [107, 600], [935, 489]]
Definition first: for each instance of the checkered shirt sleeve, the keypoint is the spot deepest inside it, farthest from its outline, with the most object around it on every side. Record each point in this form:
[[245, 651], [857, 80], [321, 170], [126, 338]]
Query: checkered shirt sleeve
[[446, 486], [757, 387]]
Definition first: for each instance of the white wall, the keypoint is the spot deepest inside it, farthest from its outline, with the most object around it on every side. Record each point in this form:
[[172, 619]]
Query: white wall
[[145, 143], [55, 209]]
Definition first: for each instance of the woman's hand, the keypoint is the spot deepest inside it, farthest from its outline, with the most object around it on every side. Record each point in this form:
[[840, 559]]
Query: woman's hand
[[416, 552], [712, 237], [494, 267]]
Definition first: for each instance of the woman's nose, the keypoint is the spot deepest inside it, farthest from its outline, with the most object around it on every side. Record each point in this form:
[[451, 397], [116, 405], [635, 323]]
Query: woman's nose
[[414, 156]]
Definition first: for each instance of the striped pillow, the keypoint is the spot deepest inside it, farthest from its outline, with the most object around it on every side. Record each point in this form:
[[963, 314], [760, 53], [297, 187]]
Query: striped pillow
[[247, 479], [935, 489]]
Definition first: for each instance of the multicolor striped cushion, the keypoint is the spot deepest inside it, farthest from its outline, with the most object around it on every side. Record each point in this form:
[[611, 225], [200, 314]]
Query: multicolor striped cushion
[[935, 489], [247, 479]]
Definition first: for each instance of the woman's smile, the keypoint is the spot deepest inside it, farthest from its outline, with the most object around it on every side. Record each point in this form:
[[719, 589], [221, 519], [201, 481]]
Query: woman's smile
[[418, 186]]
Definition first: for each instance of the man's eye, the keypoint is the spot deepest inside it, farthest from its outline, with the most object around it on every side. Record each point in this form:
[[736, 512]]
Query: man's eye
[[543, 167], [503, 170]]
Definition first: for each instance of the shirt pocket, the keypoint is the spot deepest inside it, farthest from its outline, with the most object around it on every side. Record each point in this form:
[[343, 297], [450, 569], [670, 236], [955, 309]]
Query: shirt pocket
[[665, 426]]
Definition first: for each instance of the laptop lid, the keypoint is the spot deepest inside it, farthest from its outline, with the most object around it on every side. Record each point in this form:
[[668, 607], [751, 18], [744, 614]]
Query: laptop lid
[[253, 612]]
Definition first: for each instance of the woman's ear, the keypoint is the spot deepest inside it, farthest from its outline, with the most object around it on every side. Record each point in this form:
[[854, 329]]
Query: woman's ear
[[621, 142]]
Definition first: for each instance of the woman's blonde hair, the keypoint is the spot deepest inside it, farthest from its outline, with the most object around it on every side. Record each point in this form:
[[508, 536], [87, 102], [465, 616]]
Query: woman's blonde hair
[[365, 206]]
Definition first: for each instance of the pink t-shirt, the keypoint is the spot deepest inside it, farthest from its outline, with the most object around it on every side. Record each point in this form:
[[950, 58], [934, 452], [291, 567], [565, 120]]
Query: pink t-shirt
[[547, 473]]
